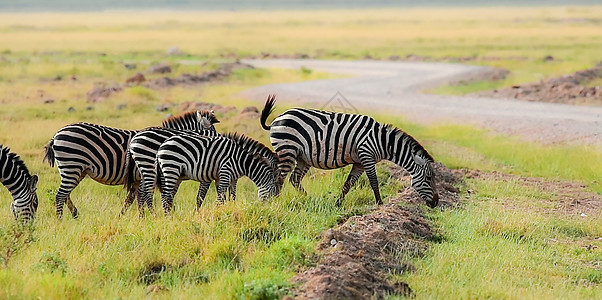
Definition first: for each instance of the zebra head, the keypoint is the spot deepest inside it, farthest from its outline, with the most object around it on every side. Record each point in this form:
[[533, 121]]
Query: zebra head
[[407, 152], [271, 181], [423, 179], [196, 121], [25, 204]]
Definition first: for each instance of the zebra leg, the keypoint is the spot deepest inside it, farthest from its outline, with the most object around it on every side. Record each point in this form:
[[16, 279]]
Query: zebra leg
[[173, 195], [221, 187], [355, 173], [203, 188], [68, 182], [72, 207], [370, 167], [287, 159], [145, 193], [298, 174], [232, 189], [130, 198], [169, 183]]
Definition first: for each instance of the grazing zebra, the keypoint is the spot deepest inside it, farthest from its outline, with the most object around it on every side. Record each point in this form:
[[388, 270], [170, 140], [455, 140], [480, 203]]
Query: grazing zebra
[[21, 185], [206, 159], [142, 155], [140, 170], [330, 140], [100, 152]]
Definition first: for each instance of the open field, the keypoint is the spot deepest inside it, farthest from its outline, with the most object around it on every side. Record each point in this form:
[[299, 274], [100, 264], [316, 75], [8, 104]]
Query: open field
[[514, 236], [510, 38]]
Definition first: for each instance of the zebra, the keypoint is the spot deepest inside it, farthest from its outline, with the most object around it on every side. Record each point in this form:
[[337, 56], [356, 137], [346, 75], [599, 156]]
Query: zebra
[[21, 185], [142, 154], [99, 151], [140, 171], [329, 140], [206, 159]]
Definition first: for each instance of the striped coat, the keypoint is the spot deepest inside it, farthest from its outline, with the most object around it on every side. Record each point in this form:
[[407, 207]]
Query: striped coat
[[85, 149], [141, 163], [305, 138], [205, 159], [21, 185]]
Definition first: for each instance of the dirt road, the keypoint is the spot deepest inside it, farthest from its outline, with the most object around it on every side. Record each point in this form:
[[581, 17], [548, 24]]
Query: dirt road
[[394, 87]]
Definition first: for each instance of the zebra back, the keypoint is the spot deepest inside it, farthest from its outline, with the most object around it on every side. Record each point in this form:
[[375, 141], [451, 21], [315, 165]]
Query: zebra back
[[192, 121], [253, 146], [202, 157], [150, 139], [22, 186]]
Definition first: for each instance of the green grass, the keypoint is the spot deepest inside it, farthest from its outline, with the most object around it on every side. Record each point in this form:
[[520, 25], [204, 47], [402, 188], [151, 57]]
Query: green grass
[[501, 243], [459, 146], [251, 249], [492, 251]]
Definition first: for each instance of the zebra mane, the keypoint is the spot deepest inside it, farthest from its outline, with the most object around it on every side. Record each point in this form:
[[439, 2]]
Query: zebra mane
[[190, 117], [19, 164], [250, 145], [416, 146]]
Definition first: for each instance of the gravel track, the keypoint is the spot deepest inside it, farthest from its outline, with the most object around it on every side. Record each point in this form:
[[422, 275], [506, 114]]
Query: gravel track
[[394, 87]]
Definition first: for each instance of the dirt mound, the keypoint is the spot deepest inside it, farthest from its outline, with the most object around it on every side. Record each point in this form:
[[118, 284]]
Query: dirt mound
[[198, 105], [445, 181], [104, 91], [249, 112], [222, 72], [358, 256], [136, 79], [569, 89], [101, 93], [161, 68]]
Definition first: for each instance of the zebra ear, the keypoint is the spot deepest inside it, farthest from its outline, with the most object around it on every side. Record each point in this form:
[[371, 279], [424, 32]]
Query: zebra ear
[[205, 123], [33, 183], [419, 160]]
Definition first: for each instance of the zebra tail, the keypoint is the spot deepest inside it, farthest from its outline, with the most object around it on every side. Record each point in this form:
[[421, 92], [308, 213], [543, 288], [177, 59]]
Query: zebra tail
[[130, 172], [49, 156], [267, 111], [158, 177]]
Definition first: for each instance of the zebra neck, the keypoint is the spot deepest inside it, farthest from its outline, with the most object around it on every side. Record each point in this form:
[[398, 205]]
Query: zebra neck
[[253, 169], [16, 190]]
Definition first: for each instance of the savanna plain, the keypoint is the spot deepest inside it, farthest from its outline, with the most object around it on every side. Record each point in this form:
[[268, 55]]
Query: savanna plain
[[516, 233]]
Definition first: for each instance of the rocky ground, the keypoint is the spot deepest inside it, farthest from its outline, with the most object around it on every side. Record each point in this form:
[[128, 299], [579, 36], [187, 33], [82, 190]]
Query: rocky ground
[[568, 89], [358, 256], [103, 90]]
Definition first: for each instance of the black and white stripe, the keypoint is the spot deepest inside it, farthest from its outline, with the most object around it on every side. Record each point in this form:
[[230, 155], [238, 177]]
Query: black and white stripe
[[142, 156], [206, 159], [21, 185], [100, 152], [305, 138], [141, 163]]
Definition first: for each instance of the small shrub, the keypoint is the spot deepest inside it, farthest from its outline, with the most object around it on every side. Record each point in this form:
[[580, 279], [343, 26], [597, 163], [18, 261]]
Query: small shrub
[[306, 70], [13, 239], [52, 262], [263, 290]]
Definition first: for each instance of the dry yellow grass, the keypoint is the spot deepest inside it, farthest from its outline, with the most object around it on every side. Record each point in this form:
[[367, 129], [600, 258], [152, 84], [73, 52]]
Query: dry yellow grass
[[380, 32]]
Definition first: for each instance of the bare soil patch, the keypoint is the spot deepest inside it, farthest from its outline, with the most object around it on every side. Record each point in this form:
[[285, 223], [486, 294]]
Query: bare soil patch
[[568, 89], [222, 72], [103, 90], [358, 256]]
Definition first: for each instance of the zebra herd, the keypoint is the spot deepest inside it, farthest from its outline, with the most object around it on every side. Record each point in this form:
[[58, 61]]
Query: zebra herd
[[188, 147]]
